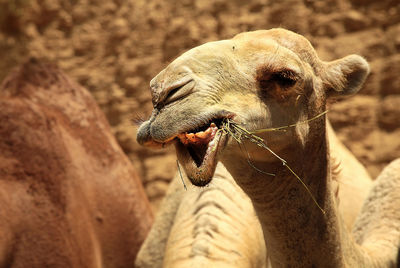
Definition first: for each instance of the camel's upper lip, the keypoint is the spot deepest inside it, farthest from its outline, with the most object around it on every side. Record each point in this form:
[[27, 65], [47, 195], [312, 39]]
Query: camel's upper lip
[[216, 118]]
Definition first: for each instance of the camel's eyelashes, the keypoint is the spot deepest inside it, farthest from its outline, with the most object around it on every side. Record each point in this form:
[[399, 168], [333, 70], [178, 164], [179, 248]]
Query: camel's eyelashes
[[284, 79]]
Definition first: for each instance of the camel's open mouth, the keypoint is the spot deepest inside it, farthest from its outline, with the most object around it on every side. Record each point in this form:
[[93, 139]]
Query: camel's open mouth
[[198, 149]]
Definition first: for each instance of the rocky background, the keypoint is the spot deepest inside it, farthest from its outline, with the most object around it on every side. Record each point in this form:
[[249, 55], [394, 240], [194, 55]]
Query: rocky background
[[114, 48]]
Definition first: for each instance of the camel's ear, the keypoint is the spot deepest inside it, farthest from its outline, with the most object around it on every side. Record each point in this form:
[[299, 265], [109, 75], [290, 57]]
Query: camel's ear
[[345, 76]]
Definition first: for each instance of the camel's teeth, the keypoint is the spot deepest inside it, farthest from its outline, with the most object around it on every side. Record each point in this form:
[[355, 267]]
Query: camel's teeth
[[182, 137], [190, 136], [202, 134]]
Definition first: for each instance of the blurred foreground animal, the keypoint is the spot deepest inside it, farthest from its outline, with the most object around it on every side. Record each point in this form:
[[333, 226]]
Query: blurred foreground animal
[[69, 197], [228, 100], [214, 226]]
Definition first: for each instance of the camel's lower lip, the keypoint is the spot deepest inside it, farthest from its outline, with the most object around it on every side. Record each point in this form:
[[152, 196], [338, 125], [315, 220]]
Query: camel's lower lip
[[201, 171]]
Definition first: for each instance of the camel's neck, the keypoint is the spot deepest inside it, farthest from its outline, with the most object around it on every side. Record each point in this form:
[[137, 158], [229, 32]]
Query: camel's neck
[[296, 231]]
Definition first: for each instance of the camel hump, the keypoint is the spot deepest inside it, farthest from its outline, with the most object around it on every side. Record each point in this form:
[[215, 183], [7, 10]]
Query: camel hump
[[36, 73], [65, 184], [47, 85]]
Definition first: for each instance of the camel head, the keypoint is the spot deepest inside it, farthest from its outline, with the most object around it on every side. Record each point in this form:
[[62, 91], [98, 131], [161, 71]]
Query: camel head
[[260, 80]]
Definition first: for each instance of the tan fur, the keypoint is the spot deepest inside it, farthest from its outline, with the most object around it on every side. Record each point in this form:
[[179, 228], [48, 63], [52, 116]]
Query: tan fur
[[242, 78], [378, 226], [352, 180], [214, 226]]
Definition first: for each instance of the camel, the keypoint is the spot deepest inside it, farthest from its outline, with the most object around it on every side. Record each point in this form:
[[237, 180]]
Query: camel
[[267, 79], [180, 251], [69, 196]]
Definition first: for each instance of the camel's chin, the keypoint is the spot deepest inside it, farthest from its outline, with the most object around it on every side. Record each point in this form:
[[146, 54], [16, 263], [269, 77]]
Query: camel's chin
[[200, 161]]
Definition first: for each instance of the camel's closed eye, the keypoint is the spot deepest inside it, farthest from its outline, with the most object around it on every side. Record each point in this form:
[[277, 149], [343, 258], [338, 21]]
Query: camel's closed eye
[[178, 91]]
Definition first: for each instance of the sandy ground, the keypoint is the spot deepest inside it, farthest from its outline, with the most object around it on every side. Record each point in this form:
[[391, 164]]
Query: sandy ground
[[114, 48]]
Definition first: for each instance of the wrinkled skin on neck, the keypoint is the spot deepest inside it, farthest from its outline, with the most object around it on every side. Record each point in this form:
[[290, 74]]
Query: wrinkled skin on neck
[[260, 80]]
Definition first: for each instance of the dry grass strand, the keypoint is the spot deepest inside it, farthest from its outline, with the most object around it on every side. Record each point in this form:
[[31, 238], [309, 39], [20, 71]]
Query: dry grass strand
[[239, 133]]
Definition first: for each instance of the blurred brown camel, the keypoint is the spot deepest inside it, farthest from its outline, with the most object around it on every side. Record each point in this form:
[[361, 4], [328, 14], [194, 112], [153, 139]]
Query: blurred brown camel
[[69, 197], [267, 79]]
